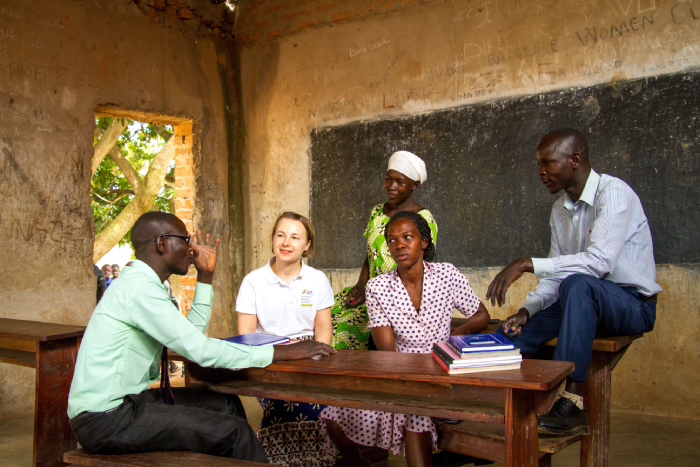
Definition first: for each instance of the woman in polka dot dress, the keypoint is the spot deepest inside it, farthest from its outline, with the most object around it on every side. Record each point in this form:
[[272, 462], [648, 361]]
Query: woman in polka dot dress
[[410, 309]]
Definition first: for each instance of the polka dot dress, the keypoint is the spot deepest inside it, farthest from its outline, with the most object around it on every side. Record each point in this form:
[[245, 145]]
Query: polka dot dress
[[415, 331]]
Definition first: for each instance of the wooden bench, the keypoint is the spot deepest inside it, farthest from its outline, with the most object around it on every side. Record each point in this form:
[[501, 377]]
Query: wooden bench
[[486, 441], [155, 459], [481, 439], [51, 349]]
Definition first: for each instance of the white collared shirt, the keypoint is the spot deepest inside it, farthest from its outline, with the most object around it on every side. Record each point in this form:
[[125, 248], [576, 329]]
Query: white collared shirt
[[605, 234], [285, 309]]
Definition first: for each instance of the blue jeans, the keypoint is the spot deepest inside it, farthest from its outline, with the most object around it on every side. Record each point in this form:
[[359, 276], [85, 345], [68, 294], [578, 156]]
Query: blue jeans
[[587, 308]]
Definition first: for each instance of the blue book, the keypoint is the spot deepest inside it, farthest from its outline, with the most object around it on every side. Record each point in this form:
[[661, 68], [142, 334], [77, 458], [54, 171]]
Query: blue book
[[481, 343], [257, 339]]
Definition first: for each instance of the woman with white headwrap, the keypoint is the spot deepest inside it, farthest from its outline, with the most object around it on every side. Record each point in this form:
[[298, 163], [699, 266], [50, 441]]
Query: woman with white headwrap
[[406, 172]]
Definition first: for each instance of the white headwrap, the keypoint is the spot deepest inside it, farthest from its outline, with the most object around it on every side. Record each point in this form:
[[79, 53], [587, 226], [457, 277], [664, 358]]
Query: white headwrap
[[408, 164]]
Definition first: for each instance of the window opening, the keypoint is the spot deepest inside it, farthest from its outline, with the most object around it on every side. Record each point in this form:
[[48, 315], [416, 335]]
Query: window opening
[[126, 151]]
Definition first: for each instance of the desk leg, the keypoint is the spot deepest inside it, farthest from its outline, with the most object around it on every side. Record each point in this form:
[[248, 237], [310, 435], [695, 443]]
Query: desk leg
[[521, 429], [595, 448], [55, 362]]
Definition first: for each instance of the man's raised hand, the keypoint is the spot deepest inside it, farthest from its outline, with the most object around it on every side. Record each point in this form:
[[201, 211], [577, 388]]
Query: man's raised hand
[[511, 273], [513, 325], [301, 350], [204, 257]]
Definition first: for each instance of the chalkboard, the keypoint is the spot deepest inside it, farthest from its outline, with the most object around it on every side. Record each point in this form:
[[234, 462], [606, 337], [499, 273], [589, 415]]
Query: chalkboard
[[482, 185]]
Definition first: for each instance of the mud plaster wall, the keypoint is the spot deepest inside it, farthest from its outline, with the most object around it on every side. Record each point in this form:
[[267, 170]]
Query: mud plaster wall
[[58, 62], [345, 63]]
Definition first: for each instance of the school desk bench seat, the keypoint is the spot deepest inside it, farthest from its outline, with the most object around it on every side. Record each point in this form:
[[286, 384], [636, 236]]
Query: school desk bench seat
[[155, 459]]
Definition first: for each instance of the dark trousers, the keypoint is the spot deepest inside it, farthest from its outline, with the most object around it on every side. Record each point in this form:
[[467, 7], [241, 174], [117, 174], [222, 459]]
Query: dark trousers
[[201, 421], [587, 308]]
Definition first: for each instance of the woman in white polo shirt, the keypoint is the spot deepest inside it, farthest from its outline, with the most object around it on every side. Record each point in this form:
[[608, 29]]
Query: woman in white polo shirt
[[288, 298]]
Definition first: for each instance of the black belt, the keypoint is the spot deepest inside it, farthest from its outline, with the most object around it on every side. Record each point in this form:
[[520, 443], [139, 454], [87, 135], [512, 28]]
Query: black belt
[[85, 417], [646, 299]]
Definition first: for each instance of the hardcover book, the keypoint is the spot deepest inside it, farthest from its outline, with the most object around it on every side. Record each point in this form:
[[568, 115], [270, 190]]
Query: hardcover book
[[481, 343], [257, 339], [450, 356], [461, 371]]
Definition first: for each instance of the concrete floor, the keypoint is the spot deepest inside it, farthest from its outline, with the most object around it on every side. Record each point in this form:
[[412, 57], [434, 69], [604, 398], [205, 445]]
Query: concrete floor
[[636, 441]]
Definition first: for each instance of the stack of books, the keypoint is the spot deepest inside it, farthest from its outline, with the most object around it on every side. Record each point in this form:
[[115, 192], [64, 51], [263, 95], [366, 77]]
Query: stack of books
[[477, 352]]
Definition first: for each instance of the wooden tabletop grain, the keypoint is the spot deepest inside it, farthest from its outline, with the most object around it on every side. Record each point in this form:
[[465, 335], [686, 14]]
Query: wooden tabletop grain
[[38, 331], [538, 375]]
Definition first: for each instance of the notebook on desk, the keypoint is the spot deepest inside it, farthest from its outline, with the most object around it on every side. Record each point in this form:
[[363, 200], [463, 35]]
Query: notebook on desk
[[257, 339], [481, 343]]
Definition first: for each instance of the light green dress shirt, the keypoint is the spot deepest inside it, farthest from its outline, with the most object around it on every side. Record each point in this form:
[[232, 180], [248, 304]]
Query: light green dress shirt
[[121, 348]]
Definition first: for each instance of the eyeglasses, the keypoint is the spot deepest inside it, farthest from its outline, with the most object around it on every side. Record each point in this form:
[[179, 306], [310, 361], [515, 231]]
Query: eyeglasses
[[186, 238]]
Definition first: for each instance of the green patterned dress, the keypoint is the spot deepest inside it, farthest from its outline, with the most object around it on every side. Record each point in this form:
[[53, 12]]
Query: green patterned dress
[[350, 329]]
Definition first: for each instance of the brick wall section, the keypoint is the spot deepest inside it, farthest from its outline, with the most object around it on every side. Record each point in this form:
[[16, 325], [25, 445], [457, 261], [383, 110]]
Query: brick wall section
[[261, 20], [183, 287], [216, 20]]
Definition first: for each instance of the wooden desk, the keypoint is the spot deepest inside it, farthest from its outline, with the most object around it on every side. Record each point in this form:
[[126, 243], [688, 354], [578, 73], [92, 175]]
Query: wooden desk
[[51, 349], [406, 383], [595, 448]]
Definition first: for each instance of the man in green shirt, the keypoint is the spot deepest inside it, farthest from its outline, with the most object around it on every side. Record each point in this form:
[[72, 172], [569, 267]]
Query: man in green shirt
[[110, 407]]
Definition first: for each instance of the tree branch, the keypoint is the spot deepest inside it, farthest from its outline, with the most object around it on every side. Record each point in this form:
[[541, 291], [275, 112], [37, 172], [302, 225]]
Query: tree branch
[[142, 201], [115, 200], [99, 131], [106, 142], [103, 199], [163, 132], [120, 192], [129, 172], [158, 169], [119, 198]]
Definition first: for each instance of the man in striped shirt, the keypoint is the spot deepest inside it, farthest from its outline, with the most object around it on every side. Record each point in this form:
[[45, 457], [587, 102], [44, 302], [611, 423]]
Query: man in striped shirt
[[599, 277]]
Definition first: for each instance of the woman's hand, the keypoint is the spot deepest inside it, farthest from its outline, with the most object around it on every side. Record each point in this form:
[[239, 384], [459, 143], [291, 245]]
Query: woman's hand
[[356, 296], [475, 324]]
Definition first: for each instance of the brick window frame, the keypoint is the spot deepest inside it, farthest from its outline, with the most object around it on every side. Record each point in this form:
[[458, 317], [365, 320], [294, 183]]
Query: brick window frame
[[184, 286]]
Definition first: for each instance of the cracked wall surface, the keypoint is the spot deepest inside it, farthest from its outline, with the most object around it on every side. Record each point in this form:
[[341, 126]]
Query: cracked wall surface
[[59, 61]]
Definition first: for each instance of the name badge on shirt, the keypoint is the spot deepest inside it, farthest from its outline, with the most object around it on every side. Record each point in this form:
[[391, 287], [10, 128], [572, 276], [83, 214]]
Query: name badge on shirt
[[306, 297]]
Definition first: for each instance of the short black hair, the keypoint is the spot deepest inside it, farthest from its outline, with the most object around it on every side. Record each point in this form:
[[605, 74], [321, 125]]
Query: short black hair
[[570, 138], [421, 224], [149, 226]]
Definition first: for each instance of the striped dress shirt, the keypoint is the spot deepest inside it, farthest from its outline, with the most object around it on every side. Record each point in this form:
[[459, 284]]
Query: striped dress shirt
[[605, 234]]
